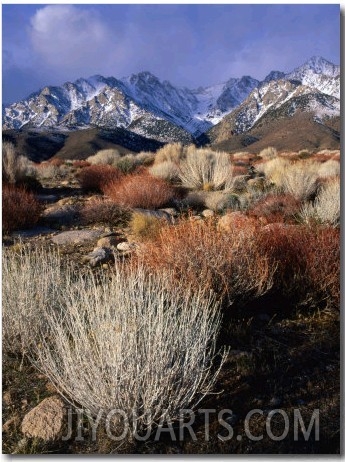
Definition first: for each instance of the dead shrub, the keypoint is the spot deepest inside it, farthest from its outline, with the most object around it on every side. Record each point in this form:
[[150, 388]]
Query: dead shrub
[[20, 208], [96, 177], [230, 263], [140, 191]]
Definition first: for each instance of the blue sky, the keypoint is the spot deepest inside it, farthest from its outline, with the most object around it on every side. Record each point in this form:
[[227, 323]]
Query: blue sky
[[189, 45]]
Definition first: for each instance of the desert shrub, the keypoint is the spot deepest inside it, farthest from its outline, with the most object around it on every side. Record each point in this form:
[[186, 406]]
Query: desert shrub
[[275, 207], [226, 262], [96, 177], [322, 252], [240, 170], [31, 281], [195, 200], [140, 190], [144, 226], [15, 168], [130, 342], [172, 152], [20, 208], [57, 162], [51, 170], [145, 158], [274, 170], [329, 168], [104, 157], [304, 154], [219, 201], [241, 155], [104, 211], [81, 163], [166, 170], [268, 153], [326, 207], [307, 263], [128, 163], [206, 169], [300, 180]]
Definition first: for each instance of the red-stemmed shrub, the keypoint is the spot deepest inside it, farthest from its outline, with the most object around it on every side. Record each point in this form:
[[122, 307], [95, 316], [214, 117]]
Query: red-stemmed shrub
[[20, 208], [81, 163], [57, 162], [240, 170], [227, 262], [97, 177], [276, 208], [307, 262], [140, 190], [104, 211]]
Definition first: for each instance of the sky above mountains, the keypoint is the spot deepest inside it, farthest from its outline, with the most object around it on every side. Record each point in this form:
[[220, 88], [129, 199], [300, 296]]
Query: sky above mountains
[[189, 45]]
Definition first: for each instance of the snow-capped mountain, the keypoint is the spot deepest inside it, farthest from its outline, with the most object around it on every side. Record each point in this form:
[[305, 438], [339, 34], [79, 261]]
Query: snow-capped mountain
[[156, 109]]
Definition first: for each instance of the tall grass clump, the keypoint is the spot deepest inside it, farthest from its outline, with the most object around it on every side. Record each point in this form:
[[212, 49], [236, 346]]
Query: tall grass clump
[[31, 282], [326, 207], [20, 208], [140, 191], [15, 168], [130, 342], [206, 169]]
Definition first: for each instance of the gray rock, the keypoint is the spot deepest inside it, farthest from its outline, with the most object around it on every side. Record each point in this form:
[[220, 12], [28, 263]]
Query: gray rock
[[33, 232], [46, 420], [61, 213], [99, 256], [126, 246], [77, 236]]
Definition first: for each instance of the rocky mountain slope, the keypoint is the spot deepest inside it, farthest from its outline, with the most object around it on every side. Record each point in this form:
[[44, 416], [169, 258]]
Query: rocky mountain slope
[[153, 109]]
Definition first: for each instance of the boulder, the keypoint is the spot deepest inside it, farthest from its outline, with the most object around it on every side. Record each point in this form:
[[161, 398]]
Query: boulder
[[77, 236], [46, 420]]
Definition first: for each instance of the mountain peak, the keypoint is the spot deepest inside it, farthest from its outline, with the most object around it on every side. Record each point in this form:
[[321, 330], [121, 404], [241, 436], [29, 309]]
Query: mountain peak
[[317, 65]]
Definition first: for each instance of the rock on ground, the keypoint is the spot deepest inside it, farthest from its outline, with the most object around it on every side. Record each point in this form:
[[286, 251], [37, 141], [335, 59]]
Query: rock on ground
[[77, 236], [46, 420], [98, 256]]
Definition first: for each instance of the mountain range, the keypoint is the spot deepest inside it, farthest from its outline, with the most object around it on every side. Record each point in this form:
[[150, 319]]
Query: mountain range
[[158, 111]]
